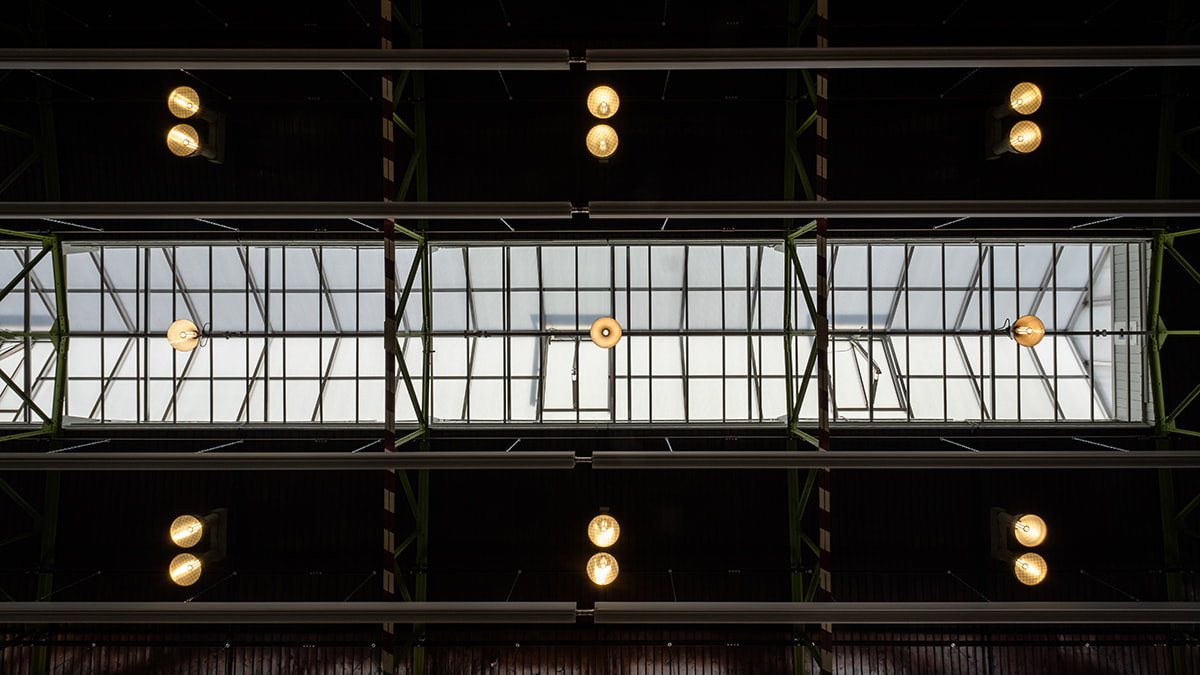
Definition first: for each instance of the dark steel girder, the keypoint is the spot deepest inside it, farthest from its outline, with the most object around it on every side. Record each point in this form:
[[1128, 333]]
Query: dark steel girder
[[896, 612], [616, 460], [830, 58], [285, 59], [285, 210], [915, 208]]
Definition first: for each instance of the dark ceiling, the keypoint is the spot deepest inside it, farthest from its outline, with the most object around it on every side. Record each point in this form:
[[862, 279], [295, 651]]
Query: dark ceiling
[[684, 135]]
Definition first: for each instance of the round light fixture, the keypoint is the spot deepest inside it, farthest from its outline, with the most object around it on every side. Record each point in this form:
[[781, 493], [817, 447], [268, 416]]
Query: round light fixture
[[1030, 530], [602, 569], [1025, 98], [183, 141], [186, 531], [606, 332], [1028, 330], [183, 335], [602, 140], [1030, 569], [604, 531], [183, 102], [603, 102], [1024, 137], [185, 569]]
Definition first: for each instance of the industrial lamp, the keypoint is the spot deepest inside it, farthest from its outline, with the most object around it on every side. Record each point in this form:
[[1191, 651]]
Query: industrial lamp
[[605, 332], [183, 102], [602, 569], [183, 140], [188, 530], [603, 102], [604, 531], [184, 335], [1025, 98], [1028, 330], [1029, 530], [1024, 136], [602, 141]]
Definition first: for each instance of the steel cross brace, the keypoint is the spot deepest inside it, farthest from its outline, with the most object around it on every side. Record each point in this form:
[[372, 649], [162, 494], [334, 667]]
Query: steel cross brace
[[58, 335], [793, 271], [1164, 421]]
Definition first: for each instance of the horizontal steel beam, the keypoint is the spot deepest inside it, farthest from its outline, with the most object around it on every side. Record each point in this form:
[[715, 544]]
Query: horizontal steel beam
[[285, 59], [280, 461], [896, 612], [287, 612], [681, 613], [605, 460], [1157, 208], [827, 58], [285, 210], [900, 459]]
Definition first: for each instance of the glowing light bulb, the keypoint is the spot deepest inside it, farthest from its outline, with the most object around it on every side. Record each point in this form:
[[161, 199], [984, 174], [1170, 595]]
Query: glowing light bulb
[[1030, 530], [602, 569], [183, 141], [185, 569], [602, 140], [1025, 137], [183, 102], [1030, 569], [1028, 330], [603, 102], [183, 335], [603, 530], [1025, 98], [186, 531]]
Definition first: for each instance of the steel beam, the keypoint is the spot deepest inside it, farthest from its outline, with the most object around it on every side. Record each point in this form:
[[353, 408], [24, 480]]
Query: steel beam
[[830, 58], [895, 612], [1048, 208], [278, 461], [606, 460], [285, 59], [901, 459], [287, 612], [285, 210]]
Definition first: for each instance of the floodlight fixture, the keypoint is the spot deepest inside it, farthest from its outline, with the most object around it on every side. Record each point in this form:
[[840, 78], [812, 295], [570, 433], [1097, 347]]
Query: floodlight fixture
[[605, 332], [187, 531], [602, 141], [185, 569], [604, 530], [603, 102], [183, 140], [183, 335], [1026, 529], [1030, 569], [1028, 330], [602, 569], [1025, 98], [183, 102]]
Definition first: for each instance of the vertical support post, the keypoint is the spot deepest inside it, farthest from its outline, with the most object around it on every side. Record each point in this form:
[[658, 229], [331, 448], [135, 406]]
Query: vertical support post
[[825, 634], [40, 655], [388, 642]]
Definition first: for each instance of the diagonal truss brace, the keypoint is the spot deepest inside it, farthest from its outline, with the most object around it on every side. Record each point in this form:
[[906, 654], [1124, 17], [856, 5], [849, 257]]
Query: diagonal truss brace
[[1164, 421], [58, 335], [794, 272]]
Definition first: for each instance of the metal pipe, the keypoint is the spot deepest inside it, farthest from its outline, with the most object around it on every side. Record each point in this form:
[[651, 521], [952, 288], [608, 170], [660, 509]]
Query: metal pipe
[[828, 58], [278, 461], [1159, 208], [287, 612], [901, 459], [895, 612], [285, 210], [285, 59]]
